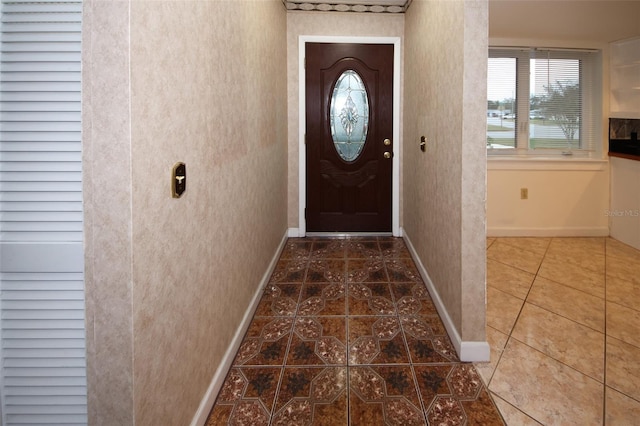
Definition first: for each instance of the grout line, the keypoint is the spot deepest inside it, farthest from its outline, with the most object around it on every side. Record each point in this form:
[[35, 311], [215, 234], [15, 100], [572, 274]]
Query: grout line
[[606, 338], [565, 317], [288, 348], [347, 343], [535, 275], [558, 361], [515, 408], [510, 335]]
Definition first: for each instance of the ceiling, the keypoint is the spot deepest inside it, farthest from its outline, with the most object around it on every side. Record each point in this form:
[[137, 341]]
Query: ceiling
[[575, 20], [566, 20]]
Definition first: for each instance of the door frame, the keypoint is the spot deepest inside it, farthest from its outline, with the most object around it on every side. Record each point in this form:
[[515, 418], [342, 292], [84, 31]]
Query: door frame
[[302, 166]]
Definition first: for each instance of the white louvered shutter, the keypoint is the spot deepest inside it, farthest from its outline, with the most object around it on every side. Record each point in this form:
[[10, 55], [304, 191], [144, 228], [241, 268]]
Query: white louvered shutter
[[43, 371]]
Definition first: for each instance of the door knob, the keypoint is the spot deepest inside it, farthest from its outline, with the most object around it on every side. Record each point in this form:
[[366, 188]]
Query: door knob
[[387, 142], [387, 154]]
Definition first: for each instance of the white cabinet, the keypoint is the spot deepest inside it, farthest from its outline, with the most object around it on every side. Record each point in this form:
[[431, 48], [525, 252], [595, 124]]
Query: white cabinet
[[624, 214], [625, 79]]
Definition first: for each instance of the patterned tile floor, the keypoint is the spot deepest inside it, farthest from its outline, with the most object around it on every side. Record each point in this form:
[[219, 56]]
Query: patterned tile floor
[[563, 318], [346, 333]]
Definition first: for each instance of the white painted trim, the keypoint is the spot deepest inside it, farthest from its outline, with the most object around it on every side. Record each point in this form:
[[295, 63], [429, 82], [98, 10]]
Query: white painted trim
[[475, 352], [302, 172], [395, 183], [498, 162], [601, 231], [210, 396], [467, 351], [348, 234], [295, 233], [302, 125]]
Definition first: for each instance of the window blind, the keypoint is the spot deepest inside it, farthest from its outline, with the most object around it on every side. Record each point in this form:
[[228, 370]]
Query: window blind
[[558, 97], [564, 89], [502, 107], [43, 375]]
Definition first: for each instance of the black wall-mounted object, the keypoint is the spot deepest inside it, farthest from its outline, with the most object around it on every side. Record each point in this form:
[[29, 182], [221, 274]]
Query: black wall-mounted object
[[623, 135], [178, 180]]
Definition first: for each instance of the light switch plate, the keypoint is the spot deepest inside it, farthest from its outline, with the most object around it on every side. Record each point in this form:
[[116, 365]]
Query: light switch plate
[[178, 180]]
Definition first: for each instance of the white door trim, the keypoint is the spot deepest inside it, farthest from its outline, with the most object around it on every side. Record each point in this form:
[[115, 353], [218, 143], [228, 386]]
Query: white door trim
[[302, 168]]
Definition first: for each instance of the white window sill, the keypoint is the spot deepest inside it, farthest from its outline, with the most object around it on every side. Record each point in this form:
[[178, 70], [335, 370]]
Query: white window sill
[[504, 162]]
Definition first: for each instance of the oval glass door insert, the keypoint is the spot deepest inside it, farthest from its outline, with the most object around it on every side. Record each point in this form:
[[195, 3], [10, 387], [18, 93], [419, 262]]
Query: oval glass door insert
[[349, 115]]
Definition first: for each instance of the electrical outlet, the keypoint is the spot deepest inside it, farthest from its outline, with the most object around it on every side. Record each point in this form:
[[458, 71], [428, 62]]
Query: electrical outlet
[[524, 193]]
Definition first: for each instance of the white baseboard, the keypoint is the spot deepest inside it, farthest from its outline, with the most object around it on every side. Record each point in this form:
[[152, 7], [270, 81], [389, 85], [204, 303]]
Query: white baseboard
[[474, 351], [210, 396], [548, 232], [470, 351]]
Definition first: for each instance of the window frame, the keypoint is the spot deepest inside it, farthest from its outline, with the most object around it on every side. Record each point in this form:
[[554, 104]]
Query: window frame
[[591, 86]]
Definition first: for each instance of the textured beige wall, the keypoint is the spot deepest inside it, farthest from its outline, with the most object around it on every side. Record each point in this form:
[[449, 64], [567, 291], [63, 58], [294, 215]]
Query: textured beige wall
[[106, 145], [324, 24], [203, 83], [444, 188], [474, 171]]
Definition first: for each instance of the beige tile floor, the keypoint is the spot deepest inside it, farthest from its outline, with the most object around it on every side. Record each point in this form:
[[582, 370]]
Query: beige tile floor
[[563, 322]]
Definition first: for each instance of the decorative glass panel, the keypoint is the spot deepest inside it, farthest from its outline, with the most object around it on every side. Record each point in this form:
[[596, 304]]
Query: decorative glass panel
[[349, 115]]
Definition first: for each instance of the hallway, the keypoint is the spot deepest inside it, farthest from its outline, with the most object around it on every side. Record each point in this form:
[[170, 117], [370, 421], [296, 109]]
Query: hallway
[[346, 333]]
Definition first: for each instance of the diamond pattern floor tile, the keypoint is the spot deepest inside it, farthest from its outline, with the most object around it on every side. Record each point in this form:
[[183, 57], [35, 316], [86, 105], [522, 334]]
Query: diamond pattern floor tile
[[347, 334]]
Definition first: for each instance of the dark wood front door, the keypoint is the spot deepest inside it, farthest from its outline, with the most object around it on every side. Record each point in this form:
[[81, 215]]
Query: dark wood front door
[[349, 137]]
